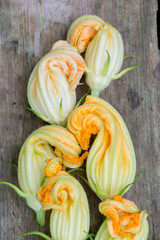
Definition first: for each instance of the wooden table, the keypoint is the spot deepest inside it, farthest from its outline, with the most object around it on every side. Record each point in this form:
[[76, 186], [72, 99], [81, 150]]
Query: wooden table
[[27, 31]]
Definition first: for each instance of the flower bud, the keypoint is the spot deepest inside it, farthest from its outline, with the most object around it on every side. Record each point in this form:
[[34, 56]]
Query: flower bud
[[104, 50], [82, 30], [70, 215], [51, 86], [111, 162], [123, 220], [104, 58], [37, 159]]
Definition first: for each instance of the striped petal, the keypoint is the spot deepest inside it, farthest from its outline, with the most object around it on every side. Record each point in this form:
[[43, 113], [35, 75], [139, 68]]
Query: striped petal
[[33, 155], [104, 50], [82, 30], [111, 162], [103, 58], [124, 220], [70, 215], [103, 233], [52, 84]]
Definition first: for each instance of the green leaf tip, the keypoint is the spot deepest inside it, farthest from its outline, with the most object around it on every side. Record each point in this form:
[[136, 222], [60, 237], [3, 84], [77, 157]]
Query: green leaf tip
[[129, 56], [60, 106], [18, 191], [35, 233], [35, 112], [137, 176], [85, 180], [106, 67], [96, 188], [76, 169], [42, 181], [12, 164], [123, 189], [95, 185], [79, 102], [124, 71], [90, 235]]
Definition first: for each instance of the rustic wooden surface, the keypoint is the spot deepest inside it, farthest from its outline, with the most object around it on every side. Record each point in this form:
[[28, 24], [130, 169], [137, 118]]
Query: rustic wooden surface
[[27, 31]]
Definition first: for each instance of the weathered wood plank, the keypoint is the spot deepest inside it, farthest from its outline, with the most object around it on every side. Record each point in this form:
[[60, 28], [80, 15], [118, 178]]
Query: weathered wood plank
[[27, 31]]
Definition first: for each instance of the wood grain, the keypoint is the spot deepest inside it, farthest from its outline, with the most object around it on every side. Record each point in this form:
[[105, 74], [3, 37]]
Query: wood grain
[[27, 31]]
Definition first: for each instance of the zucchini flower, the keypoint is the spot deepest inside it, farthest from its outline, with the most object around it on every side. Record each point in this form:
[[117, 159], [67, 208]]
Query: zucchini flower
[[51, 86], [104, 50], [83, 30], [63, 194], [34, 156], [111, 162], [123, 220]]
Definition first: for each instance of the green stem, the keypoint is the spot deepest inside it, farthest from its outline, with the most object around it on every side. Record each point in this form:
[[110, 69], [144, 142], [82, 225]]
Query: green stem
[[95, 92], [40, 215], [75, 169], [36, 233], [18, 191]]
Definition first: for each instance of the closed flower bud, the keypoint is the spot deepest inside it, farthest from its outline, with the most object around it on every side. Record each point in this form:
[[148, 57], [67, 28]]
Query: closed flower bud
[[111, 162], [70, 215], [82, 30], [104, 58], [123, 220], [62, 193], [104, 50], [51, 87]]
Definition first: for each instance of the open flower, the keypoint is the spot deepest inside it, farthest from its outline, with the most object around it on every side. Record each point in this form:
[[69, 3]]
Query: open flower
[[104, 50], [111, 162], [124, 220], [65, 195], [51, 87]]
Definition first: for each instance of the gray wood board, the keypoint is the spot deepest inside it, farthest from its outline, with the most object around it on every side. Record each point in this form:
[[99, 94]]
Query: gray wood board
[[27, 31]]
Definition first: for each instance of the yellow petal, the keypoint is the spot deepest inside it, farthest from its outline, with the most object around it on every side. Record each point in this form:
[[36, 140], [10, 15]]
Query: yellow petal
[[83, 30], [70, 216], [111, 162], [52, 84], [123, 218], [36, 150]]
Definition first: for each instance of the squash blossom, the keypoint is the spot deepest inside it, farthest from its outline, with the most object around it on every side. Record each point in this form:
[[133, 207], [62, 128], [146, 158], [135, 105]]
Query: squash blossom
[[52, 84], [35, 154], [111, 162], [123, 220], [70, 216], [83, 30], [62, 193], [104, 50]]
